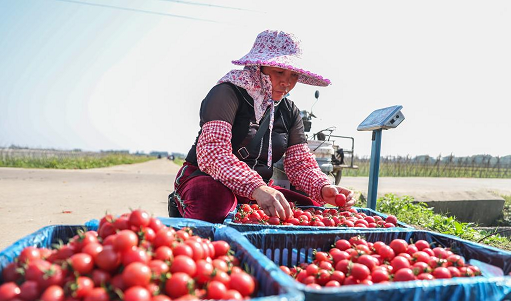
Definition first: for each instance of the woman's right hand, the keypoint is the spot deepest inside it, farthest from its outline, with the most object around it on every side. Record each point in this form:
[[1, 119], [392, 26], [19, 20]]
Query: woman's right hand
[[272, 202]]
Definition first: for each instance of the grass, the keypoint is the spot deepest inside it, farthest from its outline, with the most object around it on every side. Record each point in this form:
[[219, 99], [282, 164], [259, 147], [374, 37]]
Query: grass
[[72, 162], [403, 168], [421, 216]]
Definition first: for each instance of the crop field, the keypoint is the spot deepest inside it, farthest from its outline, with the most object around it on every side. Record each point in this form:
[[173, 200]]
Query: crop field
[[36, 158], [468, 167]]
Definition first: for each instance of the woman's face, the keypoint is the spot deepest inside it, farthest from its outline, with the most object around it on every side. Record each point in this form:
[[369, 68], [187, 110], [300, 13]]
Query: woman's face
[[282, 81]]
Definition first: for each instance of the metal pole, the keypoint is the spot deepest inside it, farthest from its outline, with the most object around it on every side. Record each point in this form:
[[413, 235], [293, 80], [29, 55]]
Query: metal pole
[[374, 170]]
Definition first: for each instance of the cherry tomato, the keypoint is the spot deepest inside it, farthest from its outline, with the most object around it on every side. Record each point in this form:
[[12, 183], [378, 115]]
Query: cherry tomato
[[97, 294], [178, 285], [359, 271], [340, 200], [53, 293], [9, 290], [81, 263], [185, 265], [136, 274], [137, 293], [216, 290], [243, 283], [221, 247], [139, 218], [125, 240]]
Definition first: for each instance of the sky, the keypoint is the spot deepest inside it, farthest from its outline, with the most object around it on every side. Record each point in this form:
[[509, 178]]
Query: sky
[[130, 75]]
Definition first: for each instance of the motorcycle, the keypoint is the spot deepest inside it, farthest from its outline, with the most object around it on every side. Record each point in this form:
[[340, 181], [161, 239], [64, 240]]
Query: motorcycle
[[332, 152]]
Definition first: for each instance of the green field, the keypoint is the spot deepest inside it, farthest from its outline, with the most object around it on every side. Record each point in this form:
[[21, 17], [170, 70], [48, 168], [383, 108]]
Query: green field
[[65, 159], [439, 167]]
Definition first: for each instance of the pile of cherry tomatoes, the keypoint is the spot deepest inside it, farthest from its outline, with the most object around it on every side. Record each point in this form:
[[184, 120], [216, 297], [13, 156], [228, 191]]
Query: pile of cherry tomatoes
[[131, 257], [357, 261], [317, 217]]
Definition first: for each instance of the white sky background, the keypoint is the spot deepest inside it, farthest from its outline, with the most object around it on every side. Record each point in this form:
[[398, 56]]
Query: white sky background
[[108, 74]]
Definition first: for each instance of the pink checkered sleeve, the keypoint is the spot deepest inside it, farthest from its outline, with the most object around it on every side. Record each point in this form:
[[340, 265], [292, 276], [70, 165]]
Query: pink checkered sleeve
[[214, 157], [303, 171]]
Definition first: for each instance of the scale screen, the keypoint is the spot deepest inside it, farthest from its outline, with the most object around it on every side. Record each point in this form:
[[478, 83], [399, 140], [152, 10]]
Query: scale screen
[[385, 118]]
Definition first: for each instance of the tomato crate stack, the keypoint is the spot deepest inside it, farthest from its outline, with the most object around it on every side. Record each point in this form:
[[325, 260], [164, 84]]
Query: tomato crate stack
[[254, 226], [268, 288], [294, 248]]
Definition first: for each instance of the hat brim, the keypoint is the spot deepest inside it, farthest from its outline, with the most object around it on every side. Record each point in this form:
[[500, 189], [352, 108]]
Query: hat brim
[[304, 76]]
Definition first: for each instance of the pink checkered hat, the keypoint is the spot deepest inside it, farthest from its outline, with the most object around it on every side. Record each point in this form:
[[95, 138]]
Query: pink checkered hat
[[279, 49]]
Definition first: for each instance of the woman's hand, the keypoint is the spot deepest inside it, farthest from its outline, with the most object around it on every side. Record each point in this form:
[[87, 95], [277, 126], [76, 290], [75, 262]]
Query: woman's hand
[[272, 202], [328, 192]]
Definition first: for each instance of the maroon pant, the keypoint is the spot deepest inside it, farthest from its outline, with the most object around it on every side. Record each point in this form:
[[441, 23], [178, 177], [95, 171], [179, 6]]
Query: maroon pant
[[199, 196]]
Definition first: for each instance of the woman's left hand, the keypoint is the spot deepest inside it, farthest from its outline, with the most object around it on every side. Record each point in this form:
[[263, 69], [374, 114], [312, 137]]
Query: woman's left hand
[[328, 192]]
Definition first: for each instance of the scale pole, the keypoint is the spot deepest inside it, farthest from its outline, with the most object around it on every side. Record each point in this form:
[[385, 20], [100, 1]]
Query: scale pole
[[374, 169]]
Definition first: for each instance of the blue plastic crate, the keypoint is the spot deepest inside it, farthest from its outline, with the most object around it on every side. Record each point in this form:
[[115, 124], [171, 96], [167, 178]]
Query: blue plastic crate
[[269, 288], [256, 227], [292, 247]]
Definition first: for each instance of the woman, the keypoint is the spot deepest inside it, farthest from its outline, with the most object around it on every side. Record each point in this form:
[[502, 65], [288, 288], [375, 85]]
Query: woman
[[247, 124]]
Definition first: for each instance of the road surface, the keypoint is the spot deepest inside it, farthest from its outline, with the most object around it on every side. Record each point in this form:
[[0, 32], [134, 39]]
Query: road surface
[[33, 198]]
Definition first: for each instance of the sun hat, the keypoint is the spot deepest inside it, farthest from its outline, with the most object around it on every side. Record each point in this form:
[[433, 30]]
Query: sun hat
[[283, 50]]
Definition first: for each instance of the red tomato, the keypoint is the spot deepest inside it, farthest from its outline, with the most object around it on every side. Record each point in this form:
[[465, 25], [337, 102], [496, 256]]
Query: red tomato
[[178, 285], [232, 295], [100, 277], [343, 266], [204, 271], [399, 246], [368, 260], [425, 276], [386, 253], [164, 237], [455, 260], [53, 293], [243, 283], [391, 219], [137, 293], [441, 273], [340, 200], [455, 272], [342, 244], [274, 220], [421, 244], [54, 275], [125, 240], [135, 254], [160, 298], [399, 262], [359, 271], [404, 275], [185, 265], [182, 249], [81, 263], [156, 224], [108, 259], [10, 273], [221, 248], [139, 218], [8, 291], [136, 274], [29, 290], [92, 249], [28, 254], [380, 275], [97, 294], [83, 287], [158, 267], [216, 290]]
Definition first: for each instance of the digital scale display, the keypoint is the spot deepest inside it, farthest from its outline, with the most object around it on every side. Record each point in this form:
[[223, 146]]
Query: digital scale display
[[385, 118]]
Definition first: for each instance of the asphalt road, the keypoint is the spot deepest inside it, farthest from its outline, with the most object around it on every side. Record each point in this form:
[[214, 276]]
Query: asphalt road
[[33, 198]]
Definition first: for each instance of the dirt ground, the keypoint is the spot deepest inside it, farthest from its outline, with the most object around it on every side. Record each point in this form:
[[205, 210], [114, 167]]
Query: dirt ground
[[33, 198]]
